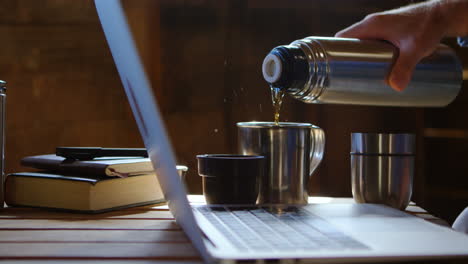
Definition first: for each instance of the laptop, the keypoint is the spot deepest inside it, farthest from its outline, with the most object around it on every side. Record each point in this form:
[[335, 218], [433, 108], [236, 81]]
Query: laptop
[[315, 233]]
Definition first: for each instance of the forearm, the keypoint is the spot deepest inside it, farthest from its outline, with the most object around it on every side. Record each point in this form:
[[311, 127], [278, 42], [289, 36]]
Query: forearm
[[454, 14]]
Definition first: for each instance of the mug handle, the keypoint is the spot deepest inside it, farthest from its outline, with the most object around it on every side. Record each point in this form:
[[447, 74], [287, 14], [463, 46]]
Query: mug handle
[[317, 142]]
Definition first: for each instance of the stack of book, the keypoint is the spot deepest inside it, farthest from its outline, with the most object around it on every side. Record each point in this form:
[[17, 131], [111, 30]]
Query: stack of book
[[90, 186]]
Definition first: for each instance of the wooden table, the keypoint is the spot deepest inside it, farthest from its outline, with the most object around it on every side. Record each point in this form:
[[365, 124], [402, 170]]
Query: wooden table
[[137, 235]]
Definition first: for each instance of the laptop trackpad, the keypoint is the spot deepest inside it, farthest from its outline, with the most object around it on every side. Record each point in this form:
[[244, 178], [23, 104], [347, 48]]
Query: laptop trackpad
[[369, 218]]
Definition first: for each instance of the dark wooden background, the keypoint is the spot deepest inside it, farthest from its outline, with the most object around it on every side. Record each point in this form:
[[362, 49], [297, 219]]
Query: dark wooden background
[[204, 61]]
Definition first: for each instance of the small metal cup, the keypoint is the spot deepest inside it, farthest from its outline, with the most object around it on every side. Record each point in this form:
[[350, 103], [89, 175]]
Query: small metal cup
[[382, 168], [292, 152]]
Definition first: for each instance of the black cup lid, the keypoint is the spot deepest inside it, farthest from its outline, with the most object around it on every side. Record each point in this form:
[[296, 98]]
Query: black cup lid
[[228, 156], [214, 165]]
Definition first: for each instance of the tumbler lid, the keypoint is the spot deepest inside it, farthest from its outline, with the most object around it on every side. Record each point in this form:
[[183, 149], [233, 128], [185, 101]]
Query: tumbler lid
[[382, 143], [2, 86]]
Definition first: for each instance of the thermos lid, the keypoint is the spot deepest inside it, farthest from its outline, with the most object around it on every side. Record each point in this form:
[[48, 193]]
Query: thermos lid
[[382, 144]]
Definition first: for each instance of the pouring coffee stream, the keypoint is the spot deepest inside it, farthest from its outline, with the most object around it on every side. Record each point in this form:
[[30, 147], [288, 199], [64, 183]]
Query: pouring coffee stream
[[277, 98]]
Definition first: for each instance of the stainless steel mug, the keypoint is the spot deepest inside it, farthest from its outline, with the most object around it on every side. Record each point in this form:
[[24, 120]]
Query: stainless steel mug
[[382, 168], [353, 71], [292, 153], [2, 141]]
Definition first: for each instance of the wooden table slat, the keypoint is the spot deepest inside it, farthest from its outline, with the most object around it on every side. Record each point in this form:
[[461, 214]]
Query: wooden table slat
[[98, 250], [98, 261], [88, 224], [91, 236], [44, 214]]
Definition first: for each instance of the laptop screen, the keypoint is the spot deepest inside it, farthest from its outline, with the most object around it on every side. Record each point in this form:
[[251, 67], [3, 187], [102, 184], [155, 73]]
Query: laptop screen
[[147, 115]]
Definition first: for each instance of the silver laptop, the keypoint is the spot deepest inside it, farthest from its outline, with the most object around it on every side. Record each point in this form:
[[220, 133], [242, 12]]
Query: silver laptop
[[316, 233]]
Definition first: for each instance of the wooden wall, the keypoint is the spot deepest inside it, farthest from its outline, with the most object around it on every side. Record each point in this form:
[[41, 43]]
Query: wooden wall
[[204, 61], [63, 89]]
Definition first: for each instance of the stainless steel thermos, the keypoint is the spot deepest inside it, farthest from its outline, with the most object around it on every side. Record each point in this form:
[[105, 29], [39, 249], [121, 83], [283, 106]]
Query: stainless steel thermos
[[352, 71], [2, 141]]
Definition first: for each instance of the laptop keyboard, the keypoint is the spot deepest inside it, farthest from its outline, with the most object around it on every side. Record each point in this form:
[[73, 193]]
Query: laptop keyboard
[[263, 228]]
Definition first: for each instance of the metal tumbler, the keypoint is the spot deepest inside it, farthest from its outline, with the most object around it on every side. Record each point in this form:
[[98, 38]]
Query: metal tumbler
[[292, 153], [382, 168], [2, 141]]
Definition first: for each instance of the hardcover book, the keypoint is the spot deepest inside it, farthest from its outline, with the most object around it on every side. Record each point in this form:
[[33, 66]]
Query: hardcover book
[[89, 194]]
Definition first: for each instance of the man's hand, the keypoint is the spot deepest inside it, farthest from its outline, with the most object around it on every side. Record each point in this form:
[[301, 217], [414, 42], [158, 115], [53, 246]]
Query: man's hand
[[416, 30]]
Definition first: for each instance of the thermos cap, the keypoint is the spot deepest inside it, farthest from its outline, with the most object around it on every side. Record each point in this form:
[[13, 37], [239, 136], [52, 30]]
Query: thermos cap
[[382, 144], [272, 68]]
